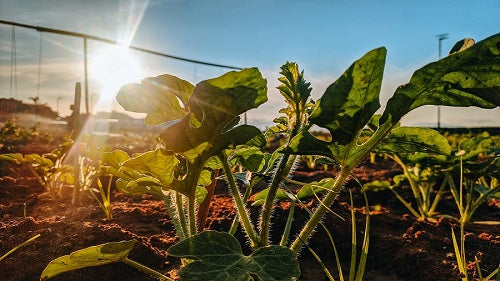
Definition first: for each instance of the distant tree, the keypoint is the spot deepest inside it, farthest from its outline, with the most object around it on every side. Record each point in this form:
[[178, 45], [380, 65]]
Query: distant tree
[[36, 100]]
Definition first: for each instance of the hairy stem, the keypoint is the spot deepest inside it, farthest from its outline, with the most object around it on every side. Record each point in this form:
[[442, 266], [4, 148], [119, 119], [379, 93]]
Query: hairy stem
[[192, 216], [240, 207], [308, 229], [179, 229], [288, 226], [234, 225], [267, 208], [179, 204]]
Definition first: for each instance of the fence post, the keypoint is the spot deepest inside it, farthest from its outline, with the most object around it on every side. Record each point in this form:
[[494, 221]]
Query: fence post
[[75, 127]]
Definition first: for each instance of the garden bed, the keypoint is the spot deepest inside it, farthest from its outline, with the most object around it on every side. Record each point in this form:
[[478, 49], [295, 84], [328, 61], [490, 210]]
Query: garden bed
[[401, 248]]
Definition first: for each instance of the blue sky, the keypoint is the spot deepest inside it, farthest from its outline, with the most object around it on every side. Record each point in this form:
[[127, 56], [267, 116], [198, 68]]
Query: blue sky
[[324, 37]]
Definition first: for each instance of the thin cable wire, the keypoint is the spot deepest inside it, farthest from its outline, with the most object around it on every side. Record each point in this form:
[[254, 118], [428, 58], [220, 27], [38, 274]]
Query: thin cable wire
[[96, 38]]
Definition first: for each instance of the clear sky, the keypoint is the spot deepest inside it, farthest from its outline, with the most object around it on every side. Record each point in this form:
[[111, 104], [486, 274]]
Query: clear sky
[[324, 37]]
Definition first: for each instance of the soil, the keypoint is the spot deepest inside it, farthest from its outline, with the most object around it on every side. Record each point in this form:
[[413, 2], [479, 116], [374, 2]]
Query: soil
[[401, 248]]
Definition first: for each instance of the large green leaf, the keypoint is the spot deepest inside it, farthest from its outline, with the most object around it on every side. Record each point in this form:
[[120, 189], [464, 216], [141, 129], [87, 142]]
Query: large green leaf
[[344, 109], [215, 103], [466, 78], [158, 97], [250, 157], [349, 103], [158, 163], [411, 139], [218, 257], [91, 256]]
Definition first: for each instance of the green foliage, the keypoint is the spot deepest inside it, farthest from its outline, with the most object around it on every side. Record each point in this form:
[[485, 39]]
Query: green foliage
[[206, 136], [349, 103], [408, 139], [91, 256], [467, 78], [160, 97], [208, 126], [14, 137], [49, 168], [307, 190], [218, 256]]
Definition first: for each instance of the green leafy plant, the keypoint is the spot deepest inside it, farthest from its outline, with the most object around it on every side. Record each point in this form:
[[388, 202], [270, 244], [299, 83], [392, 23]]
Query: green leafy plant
[[206, 137], [14, 137], [477, 164], [50, 169], [423, 171]]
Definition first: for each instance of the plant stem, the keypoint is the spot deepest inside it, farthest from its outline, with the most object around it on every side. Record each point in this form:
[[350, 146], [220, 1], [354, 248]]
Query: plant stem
[[234, 225], [352, 268], [179, 229], [407, 205], [308, 229], [366, 243], [147, 270], [192, 215], [240, 207], [19, 246], [288, 226], [267, 208], [179, 204], [438, 197], [205, 205]]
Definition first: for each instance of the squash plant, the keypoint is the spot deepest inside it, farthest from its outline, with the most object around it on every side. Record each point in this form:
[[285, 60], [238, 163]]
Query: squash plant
[[204, 135]]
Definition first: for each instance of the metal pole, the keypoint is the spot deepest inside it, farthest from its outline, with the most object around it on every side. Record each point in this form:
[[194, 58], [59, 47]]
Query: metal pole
[[440, 37], [86, 76]]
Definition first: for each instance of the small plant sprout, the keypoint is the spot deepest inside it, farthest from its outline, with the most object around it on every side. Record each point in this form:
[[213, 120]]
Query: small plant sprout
[[421, 170], [206, 137]]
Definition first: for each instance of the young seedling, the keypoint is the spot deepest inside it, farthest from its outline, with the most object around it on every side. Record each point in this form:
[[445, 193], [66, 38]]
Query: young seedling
[[50, 169], [478, 171]]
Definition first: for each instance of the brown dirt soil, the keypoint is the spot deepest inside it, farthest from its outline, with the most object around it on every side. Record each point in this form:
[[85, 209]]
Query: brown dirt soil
[[401, 248]]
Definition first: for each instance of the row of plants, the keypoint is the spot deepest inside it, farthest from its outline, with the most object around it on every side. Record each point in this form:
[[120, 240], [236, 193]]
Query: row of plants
[[205, 143]]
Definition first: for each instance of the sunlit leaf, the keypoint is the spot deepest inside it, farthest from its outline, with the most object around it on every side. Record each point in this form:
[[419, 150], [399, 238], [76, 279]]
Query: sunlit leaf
[[466, 78], [91, 256], [215, 103], [349, 103], [158, 97]]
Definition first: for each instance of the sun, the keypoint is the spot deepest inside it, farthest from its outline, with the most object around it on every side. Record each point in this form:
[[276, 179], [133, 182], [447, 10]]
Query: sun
[[111, 68]]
